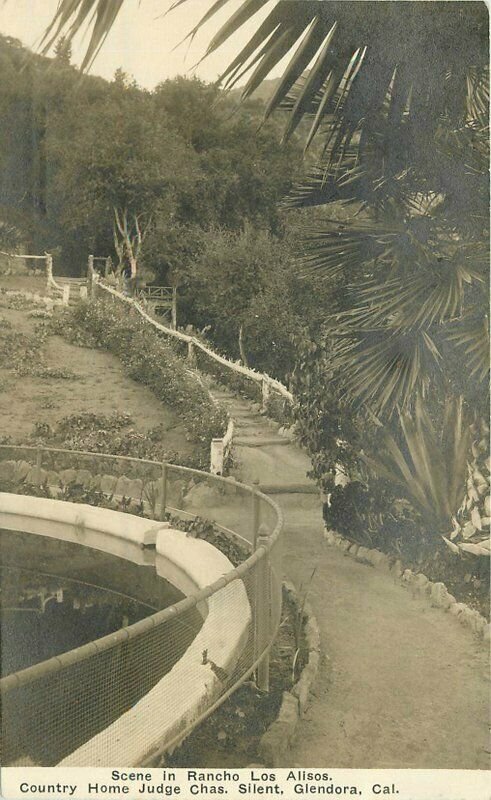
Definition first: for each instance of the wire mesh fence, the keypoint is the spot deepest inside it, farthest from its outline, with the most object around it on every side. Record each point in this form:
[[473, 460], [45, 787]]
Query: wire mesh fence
[[104, 701]]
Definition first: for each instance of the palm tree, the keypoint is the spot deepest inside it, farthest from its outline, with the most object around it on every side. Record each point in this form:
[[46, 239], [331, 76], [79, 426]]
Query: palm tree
[[397, 93]]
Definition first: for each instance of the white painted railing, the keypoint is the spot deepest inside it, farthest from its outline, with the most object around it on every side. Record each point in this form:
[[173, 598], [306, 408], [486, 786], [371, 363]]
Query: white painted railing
[[219, 447]]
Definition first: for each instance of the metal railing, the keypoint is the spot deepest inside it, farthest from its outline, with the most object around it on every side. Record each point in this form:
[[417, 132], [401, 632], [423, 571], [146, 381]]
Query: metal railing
[[52, 708]]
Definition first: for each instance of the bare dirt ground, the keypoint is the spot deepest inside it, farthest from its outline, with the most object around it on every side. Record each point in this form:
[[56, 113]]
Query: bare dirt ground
[[100, 387]]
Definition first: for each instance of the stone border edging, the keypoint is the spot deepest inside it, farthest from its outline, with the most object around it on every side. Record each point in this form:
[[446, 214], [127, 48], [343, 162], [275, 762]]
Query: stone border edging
[[436, 592], [275, 743]]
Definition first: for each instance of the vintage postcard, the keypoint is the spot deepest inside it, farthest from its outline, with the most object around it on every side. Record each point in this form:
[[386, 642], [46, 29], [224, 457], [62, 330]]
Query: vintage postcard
[[244, 399]]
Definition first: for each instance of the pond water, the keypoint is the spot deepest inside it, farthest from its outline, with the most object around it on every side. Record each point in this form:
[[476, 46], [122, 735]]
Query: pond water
[[57, 596]]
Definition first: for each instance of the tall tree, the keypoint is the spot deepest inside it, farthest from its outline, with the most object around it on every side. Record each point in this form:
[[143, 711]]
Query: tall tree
[[399, 94]]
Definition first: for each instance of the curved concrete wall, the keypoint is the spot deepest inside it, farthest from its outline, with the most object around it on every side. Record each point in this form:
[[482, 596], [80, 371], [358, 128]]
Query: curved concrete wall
[[189, 564]]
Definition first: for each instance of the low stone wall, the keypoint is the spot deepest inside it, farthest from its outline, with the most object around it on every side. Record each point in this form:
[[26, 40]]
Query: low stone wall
[[276, 743], [436, 593]]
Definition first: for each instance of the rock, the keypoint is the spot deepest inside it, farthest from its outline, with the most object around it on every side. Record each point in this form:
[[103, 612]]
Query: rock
[[135, 488], [96, 482], [52, 478], [407, 576], [22, 469], [84, 478], [378, 559], [312, 633], [440, 596], [473, 620], [68, 476], [420, 582], [288, 711], [329, 536], [36, 476], [344, 544], [121, 487], [456, 608], [397, 568], [302, 688], [354, 549], [274, 745], [108, 482], [7, 470], [362, 553]]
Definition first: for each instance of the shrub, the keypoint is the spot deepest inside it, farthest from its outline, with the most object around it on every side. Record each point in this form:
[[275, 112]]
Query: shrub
[[150, 361]]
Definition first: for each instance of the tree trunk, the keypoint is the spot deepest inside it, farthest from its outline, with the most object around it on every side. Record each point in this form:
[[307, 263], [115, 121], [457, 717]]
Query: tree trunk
[[242, 351]]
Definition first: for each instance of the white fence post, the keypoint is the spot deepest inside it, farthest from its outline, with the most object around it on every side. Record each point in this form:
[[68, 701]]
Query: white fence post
[[174, 309], [49, 270], [90, 273], [266, 392], [216, 457], [66, 294], [191, 359]]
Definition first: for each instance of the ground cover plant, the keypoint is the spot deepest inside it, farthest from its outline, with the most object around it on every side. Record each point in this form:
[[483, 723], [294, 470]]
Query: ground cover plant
[[102, 433], [56, 380], [148, 360]]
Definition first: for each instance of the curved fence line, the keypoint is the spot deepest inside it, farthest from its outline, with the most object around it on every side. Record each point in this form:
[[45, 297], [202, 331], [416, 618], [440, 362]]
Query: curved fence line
[[137, 653], [271, 384]]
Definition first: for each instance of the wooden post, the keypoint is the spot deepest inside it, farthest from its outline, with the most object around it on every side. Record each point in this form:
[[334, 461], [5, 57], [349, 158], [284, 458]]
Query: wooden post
[[90, 274], [108, 266], [39, 457], [263, 615], [266, 392], [163, 496], [256, 514], [49, 270], [216, 457], [191, 358], [66, 294], [174, 309]]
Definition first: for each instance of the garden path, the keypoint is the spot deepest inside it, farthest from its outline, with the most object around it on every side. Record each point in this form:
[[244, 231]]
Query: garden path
[[401, 684]]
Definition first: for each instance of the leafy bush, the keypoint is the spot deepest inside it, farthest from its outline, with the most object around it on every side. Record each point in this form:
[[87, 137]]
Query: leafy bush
[[148, 360]]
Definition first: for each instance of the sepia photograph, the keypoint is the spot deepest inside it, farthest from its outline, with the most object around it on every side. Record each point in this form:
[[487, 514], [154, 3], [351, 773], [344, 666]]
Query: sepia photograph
[[244, 399]]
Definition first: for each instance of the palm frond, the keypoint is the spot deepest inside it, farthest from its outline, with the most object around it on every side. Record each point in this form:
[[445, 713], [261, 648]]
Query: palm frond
[[431, 467], [470, 338], [384, 370], [431, 295], [333, 249], [380, 50]]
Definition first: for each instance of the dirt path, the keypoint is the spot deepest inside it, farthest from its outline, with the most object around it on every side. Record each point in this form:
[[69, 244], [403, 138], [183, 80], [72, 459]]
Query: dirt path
[[402, 685], [99, 386]]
